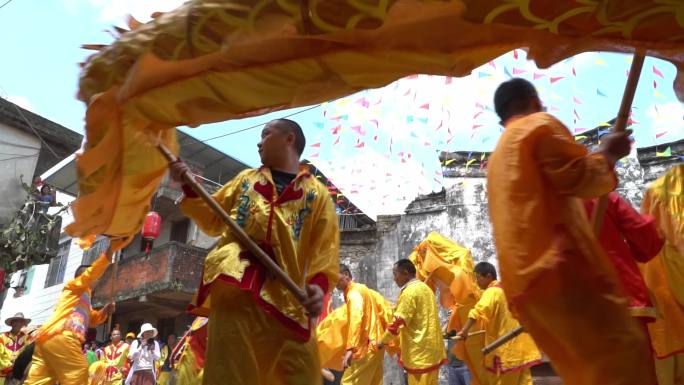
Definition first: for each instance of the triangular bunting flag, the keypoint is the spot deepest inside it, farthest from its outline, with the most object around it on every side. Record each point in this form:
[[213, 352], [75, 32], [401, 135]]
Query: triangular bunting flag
[[667, 152], [657, 72]]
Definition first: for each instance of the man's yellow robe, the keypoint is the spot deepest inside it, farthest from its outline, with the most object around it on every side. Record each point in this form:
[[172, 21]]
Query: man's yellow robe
[[368, 316], [515, 356], [560, 285], [664, 275], [58, 357], [298, 228], [331, 339], [416, 321]]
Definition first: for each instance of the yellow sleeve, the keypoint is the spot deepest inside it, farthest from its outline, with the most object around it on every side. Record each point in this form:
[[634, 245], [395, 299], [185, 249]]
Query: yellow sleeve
[[569, 167], [483, 309], [205, 218], [325, 245], [355, 314], [89, 277]]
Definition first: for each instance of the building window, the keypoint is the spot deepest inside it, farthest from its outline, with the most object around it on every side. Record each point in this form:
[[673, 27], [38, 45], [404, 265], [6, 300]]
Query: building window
[[58, 264], [179, 231], [99, 246]]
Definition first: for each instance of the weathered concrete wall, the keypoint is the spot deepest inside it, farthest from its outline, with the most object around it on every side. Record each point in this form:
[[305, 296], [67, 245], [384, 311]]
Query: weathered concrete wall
[[20, 151], [460, 212]]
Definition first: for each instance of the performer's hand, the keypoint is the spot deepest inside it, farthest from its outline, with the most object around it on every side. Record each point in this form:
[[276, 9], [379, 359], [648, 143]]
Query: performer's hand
[[314, 303], [616, 145], [347, 358], [177, 169], [109, 308], [462, 335]]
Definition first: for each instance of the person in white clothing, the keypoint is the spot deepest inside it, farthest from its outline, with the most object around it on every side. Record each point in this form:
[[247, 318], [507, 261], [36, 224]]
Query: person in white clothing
[[143, 353]]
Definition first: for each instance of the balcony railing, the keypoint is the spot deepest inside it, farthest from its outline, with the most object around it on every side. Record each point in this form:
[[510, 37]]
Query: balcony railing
[[170, 267]]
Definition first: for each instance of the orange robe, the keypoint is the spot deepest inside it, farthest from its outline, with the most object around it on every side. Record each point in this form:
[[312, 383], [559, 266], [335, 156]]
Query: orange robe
[[560, 285]]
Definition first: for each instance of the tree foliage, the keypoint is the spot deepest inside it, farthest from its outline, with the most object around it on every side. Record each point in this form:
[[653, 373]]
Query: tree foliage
[[31, 237]]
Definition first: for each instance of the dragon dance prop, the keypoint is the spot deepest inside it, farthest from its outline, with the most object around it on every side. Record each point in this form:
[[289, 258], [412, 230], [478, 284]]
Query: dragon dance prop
[[212, 60]]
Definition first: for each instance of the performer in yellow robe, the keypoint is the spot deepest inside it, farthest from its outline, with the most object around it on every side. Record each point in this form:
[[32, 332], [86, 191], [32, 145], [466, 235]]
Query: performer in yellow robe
[[510, 363], [14, 340], [561, 287], [187, 358], [255, 321], [115, 357], [368, 317], [416, 321], [58, 357], [445, 265], [664, 275]]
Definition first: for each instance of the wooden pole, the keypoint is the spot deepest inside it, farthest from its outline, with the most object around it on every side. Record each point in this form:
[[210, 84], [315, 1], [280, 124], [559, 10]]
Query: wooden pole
[[620, 126], [600, 208], [246, 241], [502, 340], [115, 257], [458, 338]]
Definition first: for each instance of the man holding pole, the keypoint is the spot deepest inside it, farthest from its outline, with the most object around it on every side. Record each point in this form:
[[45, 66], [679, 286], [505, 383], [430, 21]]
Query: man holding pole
[[511, 363], [416, 322], [559, 284], [260, 332]]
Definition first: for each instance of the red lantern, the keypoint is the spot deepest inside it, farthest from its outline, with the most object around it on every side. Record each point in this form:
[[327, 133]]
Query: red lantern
[[151, 226], [150, 231]]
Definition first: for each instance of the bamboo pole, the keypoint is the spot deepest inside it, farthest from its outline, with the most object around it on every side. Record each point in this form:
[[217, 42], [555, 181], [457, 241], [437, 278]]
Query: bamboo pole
[[620, 126], [246, 241]]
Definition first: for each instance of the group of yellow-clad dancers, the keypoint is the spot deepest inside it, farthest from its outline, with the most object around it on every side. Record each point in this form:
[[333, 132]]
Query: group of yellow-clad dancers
[[605, 310]]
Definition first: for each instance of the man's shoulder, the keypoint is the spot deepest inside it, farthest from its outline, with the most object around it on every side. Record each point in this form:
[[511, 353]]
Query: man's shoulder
[[248, 172], [417, 287], [534, 123]]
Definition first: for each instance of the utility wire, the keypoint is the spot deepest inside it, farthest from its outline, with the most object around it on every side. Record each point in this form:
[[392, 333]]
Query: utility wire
[[258, 125], [24, 116], [7, 2]]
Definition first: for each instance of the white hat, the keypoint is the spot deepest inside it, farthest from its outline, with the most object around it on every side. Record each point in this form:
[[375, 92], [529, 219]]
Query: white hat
[[146, 328]]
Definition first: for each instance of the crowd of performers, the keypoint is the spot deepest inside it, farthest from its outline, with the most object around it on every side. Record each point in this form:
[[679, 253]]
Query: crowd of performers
[[606, 310]]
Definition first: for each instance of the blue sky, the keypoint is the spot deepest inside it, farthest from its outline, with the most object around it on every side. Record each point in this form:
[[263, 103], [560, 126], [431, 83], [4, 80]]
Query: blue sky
[[39, 70]]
